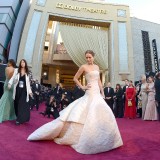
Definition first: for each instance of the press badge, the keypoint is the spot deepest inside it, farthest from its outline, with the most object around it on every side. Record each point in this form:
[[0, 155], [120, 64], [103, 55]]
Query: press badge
[[21, 84]]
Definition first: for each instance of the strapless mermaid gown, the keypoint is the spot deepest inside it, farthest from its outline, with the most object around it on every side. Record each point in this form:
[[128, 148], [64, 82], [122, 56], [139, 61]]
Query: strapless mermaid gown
[[7, 111], [87, 124]]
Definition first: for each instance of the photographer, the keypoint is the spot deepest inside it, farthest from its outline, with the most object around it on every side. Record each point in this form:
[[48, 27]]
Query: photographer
[[36, 89], [64, 101], [51, 108]]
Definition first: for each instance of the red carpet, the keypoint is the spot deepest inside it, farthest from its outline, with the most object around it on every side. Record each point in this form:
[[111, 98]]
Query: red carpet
[[141, 141]]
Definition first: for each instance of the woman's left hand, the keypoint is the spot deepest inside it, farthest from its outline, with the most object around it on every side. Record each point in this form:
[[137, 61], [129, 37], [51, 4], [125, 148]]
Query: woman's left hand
[[103, 96]]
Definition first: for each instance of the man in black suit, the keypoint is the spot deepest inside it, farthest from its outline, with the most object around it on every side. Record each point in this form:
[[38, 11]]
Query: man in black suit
[[36, 89], [57, 92], [125, 86], [124, 92], [157, 90], [124, 89], [109, 93]]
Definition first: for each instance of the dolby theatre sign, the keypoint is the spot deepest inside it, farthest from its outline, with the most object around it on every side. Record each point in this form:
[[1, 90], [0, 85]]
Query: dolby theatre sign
[[78, 8]]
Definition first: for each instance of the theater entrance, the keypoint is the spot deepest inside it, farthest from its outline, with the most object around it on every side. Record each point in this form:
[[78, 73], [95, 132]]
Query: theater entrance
[[58, 65], [107, 31]]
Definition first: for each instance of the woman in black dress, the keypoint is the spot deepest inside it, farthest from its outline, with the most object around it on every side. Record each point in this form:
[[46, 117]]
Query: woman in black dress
[[118, 101], [21, 92]]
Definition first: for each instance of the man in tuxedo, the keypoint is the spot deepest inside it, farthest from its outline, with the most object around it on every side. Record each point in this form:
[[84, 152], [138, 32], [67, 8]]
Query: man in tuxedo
[[124, 89], [109, 93], [57, 92], [36, 89], [125, 86]]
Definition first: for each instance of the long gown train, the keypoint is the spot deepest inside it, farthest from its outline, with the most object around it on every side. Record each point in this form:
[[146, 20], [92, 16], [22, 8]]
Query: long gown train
[[87, 124]]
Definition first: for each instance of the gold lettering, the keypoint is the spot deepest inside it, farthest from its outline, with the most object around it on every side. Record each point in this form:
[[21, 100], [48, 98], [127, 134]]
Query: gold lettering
[[92, 10], [70, 7], [77, 8], [85, 9], [65, 6], [96, 11], [59, 5]]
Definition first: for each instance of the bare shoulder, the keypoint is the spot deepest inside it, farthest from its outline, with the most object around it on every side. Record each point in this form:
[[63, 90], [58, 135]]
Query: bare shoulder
[[82, 67], [7, 68], [9, 72]]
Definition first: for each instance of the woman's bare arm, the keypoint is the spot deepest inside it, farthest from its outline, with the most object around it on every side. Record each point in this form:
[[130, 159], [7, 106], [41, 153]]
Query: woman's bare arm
[[12, 78], [77, 75]]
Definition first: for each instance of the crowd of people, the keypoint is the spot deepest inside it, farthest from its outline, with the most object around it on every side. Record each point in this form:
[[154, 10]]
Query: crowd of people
[[83, 106], [129, 101], [58, 98], [132, 101], [22, 93]]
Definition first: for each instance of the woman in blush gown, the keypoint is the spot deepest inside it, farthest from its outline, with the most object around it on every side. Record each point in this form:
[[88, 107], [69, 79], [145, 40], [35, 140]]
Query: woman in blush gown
[[87, 124], [144, 94], [151, 109]]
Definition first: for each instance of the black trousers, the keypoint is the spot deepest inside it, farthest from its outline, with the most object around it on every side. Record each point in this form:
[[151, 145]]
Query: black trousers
[[36, 97], [110, 103], [119, 109], [158, 110]]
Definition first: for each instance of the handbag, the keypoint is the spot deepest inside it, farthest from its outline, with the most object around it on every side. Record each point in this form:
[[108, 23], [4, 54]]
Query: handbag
[[139, 103], [129, 103]]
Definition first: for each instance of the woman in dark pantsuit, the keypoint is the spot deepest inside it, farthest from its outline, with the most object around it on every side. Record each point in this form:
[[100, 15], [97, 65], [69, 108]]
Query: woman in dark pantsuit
[[21, 92], [118, 101]]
